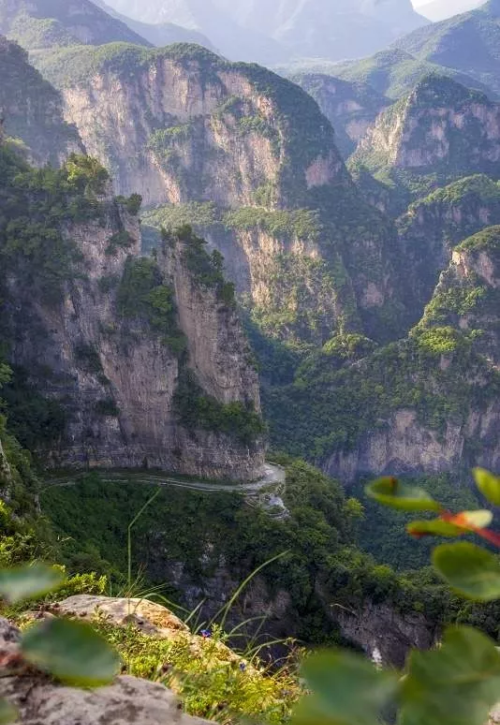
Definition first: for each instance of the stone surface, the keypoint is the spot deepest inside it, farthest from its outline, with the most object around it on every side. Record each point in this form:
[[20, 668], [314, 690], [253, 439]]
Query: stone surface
[[128, 701], [131, 366], [150, 618]]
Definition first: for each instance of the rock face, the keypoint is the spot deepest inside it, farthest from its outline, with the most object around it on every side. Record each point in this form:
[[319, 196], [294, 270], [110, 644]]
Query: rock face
[[128, 701], [114, 353], [441, 126], [460, 332], [384, 635], [32, 109], [351, 108], [251, 162], [435, 225]]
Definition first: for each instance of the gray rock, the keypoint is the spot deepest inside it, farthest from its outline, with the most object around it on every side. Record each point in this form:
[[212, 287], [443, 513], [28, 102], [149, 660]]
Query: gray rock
[[40, 701]]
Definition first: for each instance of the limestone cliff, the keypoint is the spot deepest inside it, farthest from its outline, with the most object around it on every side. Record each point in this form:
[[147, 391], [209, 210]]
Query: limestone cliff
[[31, 109], [429, 403], [100, 330], [453, 370], [433, 226], [441, 126], [184, 128]]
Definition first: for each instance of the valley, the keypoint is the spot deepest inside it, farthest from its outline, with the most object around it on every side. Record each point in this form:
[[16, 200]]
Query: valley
[[249, 262]]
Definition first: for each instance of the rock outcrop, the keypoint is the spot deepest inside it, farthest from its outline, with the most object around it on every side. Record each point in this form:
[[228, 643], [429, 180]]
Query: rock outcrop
[[454, 366], [128, 701], [106, 343], [441, 126], [432, 227]]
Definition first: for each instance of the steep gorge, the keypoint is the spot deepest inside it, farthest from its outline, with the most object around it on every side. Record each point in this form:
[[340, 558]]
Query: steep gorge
[[185, 129], [98, 330]]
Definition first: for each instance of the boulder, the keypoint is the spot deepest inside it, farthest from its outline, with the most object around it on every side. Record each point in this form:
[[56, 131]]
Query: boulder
[[40, 701]]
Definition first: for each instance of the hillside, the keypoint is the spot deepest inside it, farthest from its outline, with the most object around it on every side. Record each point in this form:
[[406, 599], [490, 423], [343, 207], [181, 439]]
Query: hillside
[[399, 409], [32, 110], [437, 133], [469, 43], [116, 342], [41, 24], [433, 226], [395, 72], [248, 158], [203, 16], [351, 108], [159, 34]]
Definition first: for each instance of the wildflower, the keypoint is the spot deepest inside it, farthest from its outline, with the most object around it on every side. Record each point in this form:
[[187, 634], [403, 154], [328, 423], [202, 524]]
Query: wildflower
[[243, 666], [206, 633]]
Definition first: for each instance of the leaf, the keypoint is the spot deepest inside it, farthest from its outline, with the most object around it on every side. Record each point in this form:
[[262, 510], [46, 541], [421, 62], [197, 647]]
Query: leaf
[[488, 484], [391, 492], [28, 582], [471, 571], [347, 690], [436, 527], [8, 713], [71, 651], [457, 684]]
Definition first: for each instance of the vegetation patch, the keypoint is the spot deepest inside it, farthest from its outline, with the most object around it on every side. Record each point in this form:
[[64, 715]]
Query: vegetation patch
[[144, 296]]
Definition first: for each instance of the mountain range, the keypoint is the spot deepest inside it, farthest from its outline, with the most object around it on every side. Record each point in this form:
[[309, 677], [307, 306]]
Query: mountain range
[[250, 30]]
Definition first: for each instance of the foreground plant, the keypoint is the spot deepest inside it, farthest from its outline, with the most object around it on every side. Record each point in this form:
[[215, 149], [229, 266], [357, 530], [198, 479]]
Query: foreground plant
[[72, 652], [455, 684]]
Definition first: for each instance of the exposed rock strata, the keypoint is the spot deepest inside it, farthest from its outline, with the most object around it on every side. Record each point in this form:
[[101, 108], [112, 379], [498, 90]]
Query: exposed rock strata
[[116, 377], [182, 126]]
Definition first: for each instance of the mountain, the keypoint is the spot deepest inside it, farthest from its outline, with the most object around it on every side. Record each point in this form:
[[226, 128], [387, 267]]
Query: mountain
[[433, 226], [32, 110], [249, 160], [203, 16], [41, 24], [119, 360], [440, 131], [252, 30], [400, 409], [159, 34], [443, 9], [395, 72], [469, 43], [351, 108]]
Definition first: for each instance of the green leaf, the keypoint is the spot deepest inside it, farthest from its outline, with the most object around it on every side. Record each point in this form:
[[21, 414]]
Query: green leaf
[[391, 492], [8, 713], [71, 651], [436, 527], [347, 690], [457, 684], [470, 570], [28, 582], [488, 484]]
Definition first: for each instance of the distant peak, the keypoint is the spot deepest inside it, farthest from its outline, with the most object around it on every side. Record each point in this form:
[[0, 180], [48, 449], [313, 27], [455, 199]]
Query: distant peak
[[441, 90]]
